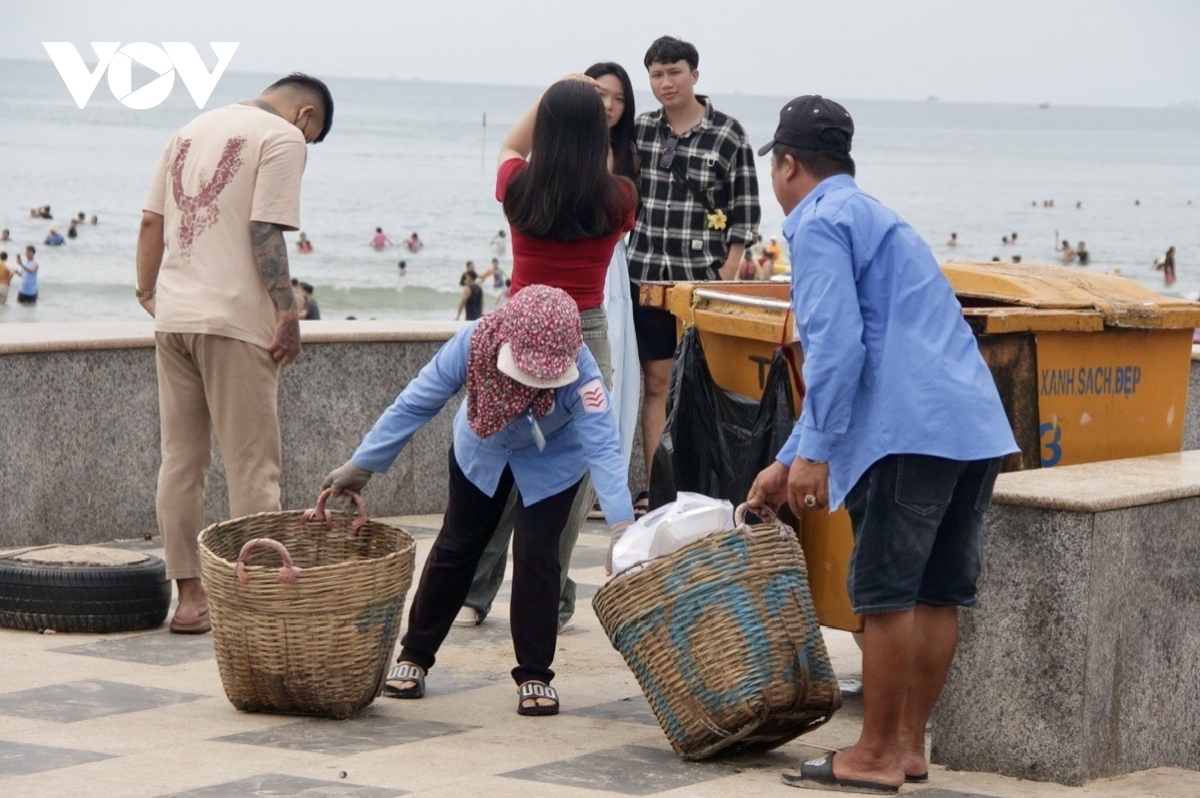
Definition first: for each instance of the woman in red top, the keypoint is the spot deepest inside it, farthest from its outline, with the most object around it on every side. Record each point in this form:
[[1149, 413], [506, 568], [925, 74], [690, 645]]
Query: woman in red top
[[567, 211]]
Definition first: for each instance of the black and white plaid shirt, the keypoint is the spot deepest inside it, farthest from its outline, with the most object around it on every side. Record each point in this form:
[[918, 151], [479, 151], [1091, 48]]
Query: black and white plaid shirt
[[672, 239]]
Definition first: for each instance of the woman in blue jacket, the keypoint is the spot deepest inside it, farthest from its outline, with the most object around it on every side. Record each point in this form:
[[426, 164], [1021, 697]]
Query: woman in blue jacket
[[536, 415]]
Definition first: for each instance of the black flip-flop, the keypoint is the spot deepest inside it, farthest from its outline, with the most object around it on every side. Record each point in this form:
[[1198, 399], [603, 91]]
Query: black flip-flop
[[405, 672], [817, 774], [920, 779]]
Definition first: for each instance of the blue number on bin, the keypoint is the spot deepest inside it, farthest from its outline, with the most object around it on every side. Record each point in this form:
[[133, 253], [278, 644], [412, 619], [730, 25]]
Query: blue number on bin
[[1053, 447]]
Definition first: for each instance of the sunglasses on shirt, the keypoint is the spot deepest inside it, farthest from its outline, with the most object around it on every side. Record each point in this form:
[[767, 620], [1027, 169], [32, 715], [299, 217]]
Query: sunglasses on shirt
[[668, 156]]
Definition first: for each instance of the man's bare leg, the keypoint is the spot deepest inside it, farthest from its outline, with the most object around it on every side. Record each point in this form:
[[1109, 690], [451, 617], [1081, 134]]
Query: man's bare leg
[[937, 630], [888, 645]]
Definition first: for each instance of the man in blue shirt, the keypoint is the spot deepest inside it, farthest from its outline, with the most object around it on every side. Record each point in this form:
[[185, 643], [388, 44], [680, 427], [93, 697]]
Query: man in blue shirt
[[901, 420]]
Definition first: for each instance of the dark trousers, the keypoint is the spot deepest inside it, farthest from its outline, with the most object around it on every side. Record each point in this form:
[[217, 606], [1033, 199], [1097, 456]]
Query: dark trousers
[[471, 518]]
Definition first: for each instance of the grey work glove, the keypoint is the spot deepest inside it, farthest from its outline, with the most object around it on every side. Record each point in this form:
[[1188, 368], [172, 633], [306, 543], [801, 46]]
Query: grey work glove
[[347, 477], [614, 534]]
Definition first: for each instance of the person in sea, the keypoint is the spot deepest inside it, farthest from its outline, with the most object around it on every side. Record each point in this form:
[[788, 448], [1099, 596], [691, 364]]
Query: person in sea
[[568, 211], [468, 269], [471, 302], [27, 292], [496, 273], [1068, 252], [414, 243], [72, 231], [535, 419], [748, 268], [312, 311], [1168, 266], [402, 267], [953, 242], [304, 246], [54, 238], [379, 241], [1082, 255], [4, 235], [6, 276]]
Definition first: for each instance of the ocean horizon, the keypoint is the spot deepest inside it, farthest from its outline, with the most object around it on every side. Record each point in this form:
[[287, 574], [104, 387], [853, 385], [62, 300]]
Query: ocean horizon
[[419, 155]]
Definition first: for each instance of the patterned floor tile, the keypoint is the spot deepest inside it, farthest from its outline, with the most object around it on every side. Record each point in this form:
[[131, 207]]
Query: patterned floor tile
[[627, 710], [629, 770], [367, 731], [155, 648], [275, 785], [19, 759], [94, 698]]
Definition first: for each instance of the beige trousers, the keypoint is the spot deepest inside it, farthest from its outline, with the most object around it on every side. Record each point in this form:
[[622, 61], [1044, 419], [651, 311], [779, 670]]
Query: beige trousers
[[207, 384]]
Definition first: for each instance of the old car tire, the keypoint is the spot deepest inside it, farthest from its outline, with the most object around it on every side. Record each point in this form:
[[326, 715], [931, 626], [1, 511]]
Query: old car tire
[[82, 589]]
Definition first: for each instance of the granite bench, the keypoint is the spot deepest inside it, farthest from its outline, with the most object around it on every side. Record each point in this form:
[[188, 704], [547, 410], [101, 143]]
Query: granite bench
[[1082, 660]]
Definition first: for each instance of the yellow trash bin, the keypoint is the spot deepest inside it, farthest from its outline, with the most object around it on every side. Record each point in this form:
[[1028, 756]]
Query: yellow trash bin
[[1089, 367]]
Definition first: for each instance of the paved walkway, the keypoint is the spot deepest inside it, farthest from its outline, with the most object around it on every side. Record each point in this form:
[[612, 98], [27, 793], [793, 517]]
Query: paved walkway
[[143, 714]]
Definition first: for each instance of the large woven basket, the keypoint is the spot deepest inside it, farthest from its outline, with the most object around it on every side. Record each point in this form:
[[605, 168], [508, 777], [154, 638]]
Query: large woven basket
[[315, 636], [724, 641]]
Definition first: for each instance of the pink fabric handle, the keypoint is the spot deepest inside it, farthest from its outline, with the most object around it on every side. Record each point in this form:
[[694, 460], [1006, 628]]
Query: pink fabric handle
[[288, 573], [320, 512], [765, 513]]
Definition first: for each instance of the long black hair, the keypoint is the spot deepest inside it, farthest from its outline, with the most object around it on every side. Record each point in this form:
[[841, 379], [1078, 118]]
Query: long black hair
[[567, 193], [625, 158]]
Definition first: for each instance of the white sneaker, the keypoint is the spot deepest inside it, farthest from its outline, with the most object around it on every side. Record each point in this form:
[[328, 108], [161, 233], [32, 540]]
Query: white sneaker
[[468, 616], [566, 626]]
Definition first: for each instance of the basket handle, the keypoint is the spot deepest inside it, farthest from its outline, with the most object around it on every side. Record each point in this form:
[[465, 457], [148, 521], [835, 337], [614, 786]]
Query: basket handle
[[765, 513], [319, 511], [288, 573]]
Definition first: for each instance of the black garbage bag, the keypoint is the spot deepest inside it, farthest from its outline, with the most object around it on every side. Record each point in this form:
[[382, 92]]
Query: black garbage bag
[[773, 423], [716, 441]]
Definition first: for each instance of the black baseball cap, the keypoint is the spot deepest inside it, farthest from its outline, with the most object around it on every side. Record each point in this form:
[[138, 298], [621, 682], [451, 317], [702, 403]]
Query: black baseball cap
[[811, 122]]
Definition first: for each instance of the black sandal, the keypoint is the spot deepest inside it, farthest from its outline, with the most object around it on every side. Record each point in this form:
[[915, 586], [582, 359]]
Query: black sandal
[[533, 691], [405, 672], [641, 504]]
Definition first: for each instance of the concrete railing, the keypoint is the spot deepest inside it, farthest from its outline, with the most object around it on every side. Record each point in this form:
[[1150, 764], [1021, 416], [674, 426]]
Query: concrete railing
[[1080, 661], [79, 431], [79, 435]]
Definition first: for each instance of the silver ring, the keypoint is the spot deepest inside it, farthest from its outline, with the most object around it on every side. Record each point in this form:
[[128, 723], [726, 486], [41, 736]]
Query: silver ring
[[810, 500]]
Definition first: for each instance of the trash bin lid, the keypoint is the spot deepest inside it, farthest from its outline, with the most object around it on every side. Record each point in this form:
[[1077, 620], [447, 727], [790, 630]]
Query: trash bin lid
[[1005, 297]]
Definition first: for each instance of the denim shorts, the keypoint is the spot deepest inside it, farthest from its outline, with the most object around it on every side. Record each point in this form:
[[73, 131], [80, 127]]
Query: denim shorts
[[918, 532]]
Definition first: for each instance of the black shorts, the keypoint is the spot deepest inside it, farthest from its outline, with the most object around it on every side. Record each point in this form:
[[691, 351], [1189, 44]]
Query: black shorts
[[654, 328], [26, 299]]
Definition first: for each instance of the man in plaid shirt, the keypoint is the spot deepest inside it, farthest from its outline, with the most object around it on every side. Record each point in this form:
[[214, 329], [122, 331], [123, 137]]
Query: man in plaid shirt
[[699, 211]]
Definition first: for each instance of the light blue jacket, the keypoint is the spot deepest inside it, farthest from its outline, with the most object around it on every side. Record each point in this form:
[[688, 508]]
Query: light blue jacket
[[890, 366], [578, 435]]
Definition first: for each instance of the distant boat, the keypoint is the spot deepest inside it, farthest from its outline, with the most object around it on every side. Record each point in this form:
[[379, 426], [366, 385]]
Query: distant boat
[[1043, 105]]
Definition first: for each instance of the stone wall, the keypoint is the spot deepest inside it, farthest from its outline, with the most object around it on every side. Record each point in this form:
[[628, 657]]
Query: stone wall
[[80, 438], [1082, 660]]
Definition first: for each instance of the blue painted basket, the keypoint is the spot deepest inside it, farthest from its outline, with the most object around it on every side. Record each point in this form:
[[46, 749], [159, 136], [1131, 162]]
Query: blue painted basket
[[723, 638]]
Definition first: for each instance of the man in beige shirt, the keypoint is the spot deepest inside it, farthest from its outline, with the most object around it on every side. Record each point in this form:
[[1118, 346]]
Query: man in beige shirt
[[226, 188]]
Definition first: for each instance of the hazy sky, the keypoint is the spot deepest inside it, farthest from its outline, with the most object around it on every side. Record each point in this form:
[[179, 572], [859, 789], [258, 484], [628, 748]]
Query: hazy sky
[[1085, 52]]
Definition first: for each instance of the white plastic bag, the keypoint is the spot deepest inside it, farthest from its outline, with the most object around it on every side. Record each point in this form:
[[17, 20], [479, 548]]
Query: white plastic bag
[[690, 517]]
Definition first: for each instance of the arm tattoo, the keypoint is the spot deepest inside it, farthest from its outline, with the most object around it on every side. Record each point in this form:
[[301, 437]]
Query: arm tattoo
[[270, 252]]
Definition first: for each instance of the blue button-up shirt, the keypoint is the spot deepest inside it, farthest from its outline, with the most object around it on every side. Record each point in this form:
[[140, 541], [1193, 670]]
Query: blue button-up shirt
[[890, 365], [578, 435]]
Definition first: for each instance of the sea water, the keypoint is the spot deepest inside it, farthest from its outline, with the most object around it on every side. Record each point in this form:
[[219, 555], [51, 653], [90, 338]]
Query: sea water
[[419, 156]]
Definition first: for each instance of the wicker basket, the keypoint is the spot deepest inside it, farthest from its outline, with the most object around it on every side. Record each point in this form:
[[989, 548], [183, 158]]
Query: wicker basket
[[315, 636], [723, 638]]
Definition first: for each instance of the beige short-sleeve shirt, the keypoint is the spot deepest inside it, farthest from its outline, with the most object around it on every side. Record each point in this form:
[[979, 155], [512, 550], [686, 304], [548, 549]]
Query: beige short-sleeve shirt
[[224, 169]]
